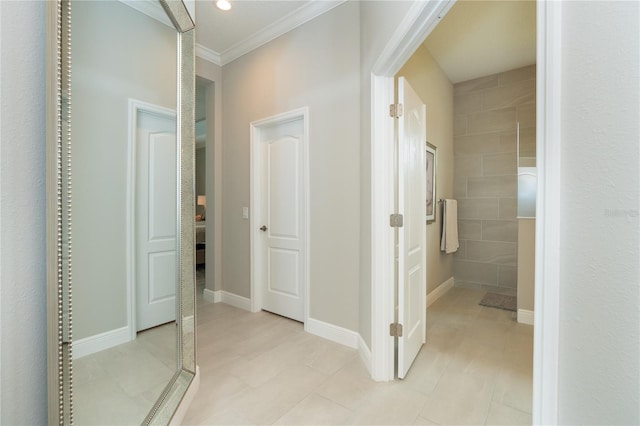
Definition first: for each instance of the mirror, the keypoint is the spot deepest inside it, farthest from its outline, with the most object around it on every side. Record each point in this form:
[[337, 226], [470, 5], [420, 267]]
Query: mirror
[[120, 160]]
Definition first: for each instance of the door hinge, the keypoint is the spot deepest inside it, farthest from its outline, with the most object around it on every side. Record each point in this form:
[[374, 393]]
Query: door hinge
[[396, 220], [396, 110], [395, 330]]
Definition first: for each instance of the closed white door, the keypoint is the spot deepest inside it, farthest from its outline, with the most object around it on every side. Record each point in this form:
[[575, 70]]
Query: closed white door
[[156, 219], [280, 220], [412, 260]]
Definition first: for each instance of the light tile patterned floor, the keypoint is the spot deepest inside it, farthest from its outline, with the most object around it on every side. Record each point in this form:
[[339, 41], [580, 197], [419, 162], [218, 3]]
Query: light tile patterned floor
[[264, 369], [118, 386]]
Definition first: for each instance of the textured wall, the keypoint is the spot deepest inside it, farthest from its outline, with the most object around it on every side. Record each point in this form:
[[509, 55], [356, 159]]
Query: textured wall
[[599, 344], [23, 390], [486, 111], [434, 88]]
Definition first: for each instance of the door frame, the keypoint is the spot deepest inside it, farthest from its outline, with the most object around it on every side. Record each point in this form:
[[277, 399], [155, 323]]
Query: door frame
[[254, 183], [136, 106], [420, 20]]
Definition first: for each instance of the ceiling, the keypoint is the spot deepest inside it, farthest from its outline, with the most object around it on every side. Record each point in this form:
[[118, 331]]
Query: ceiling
[[479, 38], [475, 38], [225, 36]]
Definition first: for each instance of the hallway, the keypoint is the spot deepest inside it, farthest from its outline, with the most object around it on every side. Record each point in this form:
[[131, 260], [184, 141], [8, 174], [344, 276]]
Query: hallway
[[264, 369]]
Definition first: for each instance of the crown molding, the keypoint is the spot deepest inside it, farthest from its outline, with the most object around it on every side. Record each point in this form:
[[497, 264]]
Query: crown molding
[[287, 23], [207, 54]]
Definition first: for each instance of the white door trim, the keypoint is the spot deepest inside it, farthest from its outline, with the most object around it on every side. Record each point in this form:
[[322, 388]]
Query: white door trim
[[254, 179], [134, 107], [421, 18]]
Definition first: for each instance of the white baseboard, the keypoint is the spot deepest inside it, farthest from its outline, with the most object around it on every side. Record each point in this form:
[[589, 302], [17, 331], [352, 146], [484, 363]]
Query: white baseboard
[[100, 342], [332, 332], [187, 399], [525, 316], [235, 300], [365, 353], [439, 291], [212, 296]]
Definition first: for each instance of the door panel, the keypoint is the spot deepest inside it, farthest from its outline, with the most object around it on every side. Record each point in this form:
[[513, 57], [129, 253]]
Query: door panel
[[412, 236], [281, 272], [155, 219]]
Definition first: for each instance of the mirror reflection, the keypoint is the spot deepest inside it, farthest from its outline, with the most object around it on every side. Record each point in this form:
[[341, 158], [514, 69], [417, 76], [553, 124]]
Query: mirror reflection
[[124, 211], [200, 183]]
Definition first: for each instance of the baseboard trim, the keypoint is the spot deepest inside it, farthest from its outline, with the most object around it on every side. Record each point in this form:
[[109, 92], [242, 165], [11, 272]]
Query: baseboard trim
[[525, 316], [212, 296], [440, 291], [235, 300], [99, 342], [332, 332], [365, 353]]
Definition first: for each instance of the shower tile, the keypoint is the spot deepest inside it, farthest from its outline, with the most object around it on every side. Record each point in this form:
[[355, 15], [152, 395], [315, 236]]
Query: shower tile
[[526, 115], [475, 272], [469, 229], [492, 252], [477, 144], [508, 208], [468, 165], [508, 276], [508, 95], [500, 230], [478, 208], [491, 121], [509, 141], [476, 84], [461, 253], [459, 124], [492, 186], [467, 102], [518, 74], [460, 187], [499, 164]]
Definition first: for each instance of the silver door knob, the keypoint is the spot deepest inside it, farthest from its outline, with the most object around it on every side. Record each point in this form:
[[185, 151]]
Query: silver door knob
[[263, 228]]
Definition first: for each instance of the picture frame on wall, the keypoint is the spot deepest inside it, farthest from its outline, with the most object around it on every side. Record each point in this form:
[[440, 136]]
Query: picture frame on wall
[[431, 164]]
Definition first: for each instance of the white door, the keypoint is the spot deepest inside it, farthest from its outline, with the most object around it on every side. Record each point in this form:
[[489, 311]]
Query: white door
[[412, 260], [155, 219], [280, 220]]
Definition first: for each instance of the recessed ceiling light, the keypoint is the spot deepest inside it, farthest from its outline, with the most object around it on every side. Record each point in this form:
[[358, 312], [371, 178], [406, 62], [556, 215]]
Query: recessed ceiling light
[[223, 4]]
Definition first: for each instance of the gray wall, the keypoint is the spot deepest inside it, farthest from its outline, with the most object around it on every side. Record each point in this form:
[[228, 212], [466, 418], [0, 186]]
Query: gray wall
[[599, 367], [315, 65], [436, 91], [486, 111], [106, 36]]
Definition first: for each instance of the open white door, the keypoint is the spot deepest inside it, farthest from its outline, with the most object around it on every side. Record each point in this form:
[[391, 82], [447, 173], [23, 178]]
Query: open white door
[[412, 257], [155, 219]]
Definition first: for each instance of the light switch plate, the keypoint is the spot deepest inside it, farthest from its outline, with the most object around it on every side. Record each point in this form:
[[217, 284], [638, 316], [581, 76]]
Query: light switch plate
[[245, 212]]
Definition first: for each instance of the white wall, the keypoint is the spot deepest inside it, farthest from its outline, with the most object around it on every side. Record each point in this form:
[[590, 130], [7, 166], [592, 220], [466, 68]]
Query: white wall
[[599, 375], [23, 391], [106, 35], [315, 65], [378, 21]]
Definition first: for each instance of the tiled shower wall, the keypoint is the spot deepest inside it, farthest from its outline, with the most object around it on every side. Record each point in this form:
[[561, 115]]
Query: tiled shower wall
[[485, 174]]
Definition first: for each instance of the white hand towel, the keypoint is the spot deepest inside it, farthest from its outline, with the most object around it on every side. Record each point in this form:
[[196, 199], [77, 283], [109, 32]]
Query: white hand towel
[[449, 242]]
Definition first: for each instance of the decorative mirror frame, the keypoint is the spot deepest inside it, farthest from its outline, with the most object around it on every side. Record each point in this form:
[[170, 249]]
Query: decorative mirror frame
[[59, 204]]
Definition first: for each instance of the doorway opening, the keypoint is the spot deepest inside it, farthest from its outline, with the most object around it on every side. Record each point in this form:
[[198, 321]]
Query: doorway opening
[[419, 23]]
